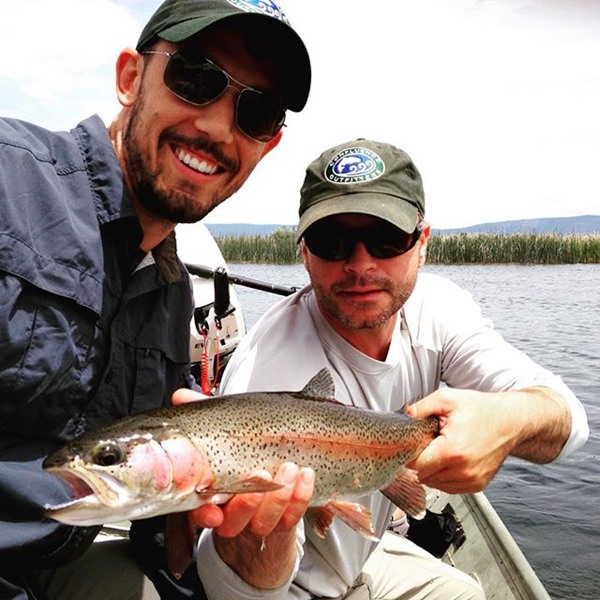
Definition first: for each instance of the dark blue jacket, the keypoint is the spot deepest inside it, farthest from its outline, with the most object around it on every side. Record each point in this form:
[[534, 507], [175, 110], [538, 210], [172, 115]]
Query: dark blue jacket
[[85, 338]]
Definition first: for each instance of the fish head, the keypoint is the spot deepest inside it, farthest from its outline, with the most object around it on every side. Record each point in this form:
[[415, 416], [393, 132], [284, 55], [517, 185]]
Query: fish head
[[141, 472]]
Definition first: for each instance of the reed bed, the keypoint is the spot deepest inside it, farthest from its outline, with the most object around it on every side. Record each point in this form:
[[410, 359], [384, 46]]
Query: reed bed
[[279, 248], [521, 248]]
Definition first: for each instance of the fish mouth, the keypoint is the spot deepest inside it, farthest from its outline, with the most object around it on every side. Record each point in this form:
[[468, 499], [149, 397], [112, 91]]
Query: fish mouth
[[93, 493], [78, 485], [84, 483]]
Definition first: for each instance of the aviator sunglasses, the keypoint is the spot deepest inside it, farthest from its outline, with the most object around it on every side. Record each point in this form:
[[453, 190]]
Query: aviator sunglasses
[[331, 241], [199, 81]]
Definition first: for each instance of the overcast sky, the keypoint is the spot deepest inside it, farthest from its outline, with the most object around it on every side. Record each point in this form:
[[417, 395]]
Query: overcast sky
[[497, 101]]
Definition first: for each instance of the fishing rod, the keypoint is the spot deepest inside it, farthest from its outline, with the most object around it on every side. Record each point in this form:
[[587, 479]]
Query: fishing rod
[[255, 284]]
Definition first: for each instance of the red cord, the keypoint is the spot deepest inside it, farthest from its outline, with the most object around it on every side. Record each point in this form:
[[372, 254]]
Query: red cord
[[204, 363], [205, 383]]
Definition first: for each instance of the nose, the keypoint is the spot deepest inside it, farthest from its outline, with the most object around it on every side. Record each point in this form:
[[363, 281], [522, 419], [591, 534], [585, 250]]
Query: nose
[[360, 260], [217, 119]]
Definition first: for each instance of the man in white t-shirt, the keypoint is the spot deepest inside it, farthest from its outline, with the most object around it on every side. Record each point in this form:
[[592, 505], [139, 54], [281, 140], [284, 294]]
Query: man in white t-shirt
[[390, 336]]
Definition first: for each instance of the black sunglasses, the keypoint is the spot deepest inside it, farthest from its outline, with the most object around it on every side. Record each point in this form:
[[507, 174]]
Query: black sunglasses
[[199, 81], [330, 241]]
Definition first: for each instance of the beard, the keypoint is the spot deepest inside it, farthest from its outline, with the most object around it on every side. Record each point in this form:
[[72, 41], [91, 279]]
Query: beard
[[177, 206], [363, 314]]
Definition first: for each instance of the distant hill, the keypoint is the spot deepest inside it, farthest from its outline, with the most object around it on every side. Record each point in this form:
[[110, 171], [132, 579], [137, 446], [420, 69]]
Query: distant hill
[[582, 225], [223, 229]]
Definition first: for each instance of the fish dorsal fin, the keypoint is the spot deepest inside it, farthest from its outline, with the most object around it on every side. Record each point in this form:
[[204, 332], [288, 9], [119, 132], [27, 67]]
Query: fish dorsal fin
[[320, 386]]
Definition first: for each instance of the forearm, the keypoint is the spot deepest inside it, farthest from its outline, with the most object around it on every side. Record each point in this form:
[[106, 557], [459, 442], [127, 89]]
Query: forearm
[[264, 563], [543, 423], [478, 430]]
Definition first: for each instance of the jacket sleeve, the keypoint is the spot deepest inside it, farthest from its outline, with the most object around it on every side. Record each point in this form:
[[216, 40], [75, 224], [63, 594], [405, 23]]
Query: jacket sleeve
[[29, 540]]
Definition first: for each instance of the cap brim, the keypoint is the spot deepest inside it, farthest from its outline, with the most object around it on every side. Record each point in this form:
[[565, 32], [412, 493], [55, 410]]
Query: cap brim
[[398, 212]]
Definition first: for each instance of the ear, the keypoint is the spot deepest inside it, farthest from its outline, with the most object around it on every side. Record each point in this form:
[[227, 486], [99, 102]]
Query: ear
[[304, 253], [129, 76], [425, 234], [272, 143]]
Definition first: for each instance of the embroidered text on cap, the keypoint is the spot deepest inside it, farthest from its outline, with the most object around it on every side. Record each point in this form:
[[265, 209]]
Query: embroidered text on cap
[[353, 165], [266, 7]]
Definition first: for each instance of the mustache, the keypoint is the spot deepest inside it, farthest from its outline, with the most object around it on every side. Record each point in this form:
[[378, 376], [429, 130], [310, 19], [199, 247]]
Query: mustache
[[358, 281], [201, 144]]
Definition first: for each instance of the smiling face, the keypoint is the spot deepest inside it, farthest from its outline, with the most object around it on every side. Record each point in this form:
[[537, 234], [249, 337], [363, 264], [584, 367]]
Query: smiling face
[[182, 160], [361, 295]]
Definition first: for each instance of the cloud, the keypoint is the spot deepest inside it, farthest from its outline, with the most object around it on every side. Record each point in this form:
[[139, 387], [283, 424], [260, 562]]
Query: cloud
[[495, 100], [67, 52]]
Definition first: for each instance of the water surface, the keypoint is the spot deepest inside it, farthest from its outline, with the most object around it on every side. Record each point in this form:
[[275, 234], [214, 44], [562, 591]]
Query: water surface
[[553, 314]]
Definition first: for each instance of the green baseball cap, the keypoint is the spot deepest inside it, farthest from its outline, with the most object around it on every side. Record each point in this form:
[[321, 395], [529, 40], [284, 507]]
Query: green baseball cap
[[362, 176], [177, 20]]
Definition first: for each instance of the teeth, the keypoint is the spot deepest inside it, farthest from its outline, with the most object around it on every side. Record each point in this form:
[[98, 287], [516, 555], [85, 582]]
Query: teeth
[[194, 163]]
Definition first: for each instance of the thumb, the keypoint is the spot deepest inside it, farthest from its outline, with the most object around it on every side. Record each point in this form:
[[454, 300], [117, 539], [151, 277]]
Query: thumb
[[437, 404], [426, 407], [184, 396]]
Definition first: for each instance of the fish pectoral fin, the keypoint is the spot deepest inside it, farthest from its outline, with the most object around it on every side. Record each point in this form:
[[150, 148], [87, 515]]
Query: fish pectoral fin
[[356, 516], [406, 492], [319, 519], [247, 486], [180, 540]]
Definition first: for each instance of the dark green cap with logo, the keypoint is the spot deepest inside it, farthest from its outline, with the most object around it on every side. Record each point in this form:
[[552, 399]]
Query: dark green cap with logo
[[362, 176], [177, 20]]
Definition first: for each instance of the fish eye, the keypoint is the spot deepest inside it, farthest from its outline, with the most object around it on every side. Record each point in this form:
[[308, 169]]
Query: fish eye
[[107, 454]]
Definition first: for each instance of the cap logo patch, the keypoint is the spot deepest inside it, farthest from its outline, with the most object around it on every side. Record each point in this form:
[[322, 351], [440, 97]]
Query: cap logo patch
[[265, 7], [354, 165]]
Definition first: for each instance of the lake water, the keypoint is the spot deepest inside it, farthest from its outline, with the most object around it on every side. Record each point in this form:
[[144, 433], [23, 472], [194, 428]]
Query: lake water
[[553, 314]]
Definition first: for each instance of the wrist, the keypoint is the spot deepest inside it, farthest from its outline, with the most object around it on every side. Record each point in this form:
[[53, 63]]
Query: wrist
[[264, 563]]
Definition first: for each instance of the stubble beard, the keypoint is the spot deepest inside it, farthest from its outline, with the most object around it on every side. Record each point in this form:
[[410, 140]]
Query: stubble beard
[[398, 294], [168, 204]]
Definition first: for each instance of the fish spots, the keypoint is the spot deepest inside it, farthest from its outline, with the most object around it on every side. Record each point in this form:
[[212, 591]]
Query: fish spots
[[177, 457]]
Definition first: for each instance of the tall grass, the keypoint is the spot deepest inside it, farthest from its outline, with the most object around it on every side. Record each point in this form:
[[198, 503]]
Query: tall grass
[[279, 248], [522, 248]]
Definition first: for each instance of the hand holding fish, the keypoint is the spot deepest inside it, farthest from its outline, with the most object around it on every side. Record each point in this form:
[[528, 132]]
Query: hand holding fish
[[263, 513], [258, 536], [479, 430]]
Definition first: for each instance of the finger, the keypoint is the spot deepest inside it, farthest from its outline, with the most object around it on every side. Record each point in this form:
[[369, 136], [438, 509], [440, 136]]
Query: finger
[[275, 503], [437, 404], [185, 396], [452, 485], [300, 499], [240, 509], [207, 515], [429, 461], [423, 408]]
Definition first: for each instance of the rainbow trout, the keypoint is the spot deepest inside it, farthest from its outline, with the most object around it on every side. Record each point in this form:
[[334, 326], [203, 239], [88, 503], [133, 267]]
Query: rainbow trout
[[177, 458]]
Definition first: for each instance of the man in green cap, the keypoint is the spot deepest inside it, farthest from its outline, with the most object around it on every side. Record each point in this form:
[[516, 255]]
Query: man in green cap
[[96, 306], [389, 335]]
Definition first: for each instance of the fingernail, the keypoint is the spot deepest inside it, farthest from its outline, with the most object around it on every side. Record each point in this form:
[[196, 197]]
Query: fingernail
[[288, 475], [307, 476]]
